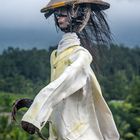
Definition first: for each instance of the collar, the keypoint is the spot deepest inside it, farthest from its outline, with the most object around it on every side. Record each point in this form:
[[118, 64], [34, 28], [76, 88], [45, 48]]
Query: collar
[[68, 40]]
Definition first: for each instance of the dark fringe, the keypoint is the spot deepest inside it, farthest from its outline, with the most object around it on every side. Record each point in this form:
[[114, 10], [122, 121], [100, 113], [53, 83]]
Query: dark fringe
[[94, 35]]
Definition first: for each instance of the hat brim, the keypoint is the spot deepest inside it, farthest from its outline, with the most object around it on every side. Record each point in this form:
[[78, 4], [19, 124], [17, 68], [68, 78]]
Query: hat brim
[[49, 9]]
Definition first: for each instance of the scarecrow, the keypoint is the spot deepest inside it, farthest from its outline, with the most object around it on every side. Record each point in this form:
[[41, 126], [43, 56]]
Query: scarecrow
[[72, 102]]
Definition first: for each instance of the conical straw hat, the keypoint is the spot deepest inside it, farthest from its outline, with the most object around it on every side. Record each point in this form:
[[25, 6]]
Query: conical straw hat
[[53, 4]]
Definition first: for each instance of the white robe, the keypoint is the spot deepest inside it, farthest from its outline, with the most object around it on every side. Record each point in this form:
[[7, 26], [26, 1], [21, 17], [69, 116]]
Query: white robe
[[73, 102]]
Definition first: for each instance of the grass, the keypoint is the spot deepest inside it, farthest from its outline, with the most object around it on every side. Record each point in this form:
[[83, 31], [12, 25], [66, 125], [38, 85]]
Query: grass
[[7, 100]]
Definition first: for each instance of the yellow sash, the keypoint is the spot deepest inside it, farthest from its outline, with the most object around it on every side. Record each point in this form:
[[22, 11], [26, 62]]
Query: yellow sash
[[60, 61]]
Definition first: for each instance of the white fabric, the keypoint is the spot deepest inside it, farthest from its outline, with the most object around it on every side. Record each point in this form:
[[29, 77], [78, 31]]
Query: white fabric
[[68, 102], [68, 40]]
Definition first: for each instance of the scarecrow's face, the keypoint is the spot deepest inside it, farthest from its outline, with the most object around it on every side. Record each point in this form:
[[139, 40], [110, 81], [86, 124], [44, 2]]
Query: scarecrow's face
[[72, 19], [62, 17]]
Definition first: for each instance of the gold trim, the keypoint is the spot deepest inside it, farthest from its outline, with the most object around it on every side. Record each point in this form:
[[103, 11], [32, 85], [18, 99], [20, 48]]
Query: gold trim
[[58, 4]]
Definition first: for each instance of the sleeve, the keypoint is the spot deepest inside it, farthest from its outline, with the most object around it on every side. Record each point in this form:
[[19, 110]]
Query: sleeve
[[72, 79]]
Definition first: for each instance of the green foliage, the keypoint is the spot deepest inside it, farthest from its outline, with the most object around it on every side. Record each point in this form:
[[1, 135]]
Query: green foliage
[[127, 112], [24, 71], [10, 131], [16, 84], [7, 100], [115, 87], [134, 91], [118, 65]]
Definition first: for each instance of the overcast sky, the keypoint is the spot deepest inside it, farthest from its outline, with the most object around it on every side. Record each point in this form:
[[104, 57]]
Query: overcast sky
[[22, 24]]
